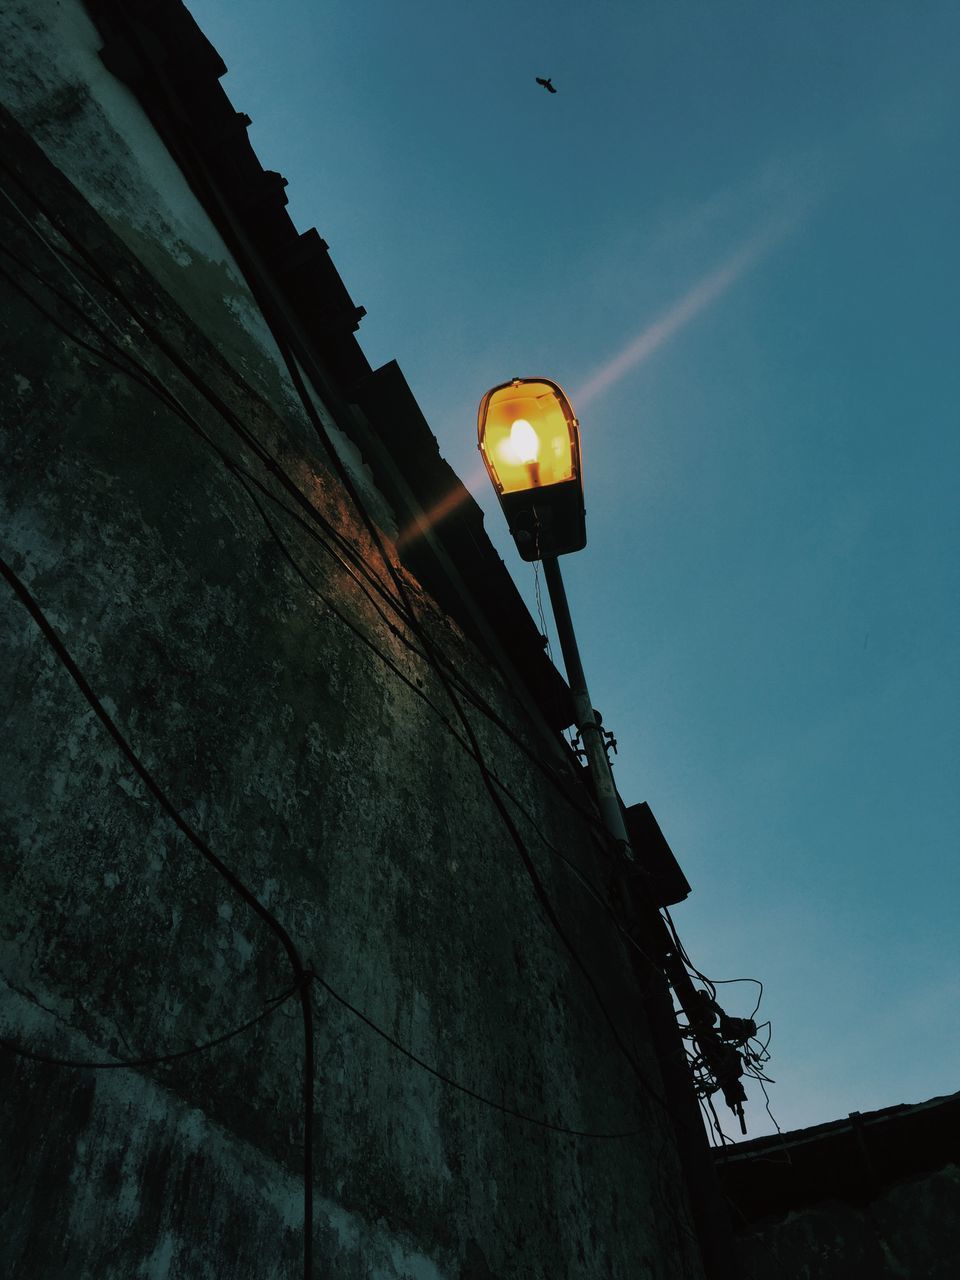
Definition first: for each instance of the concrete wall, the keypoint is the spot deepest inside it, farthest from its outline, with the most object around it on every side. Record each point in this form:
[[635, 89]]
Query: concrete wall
[[909, 1232], [335, 791], [93, 129]]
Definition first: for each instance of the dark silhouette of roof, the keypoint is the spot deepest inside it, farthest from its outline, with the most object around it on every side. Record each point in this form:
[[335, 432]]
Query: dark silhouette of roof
[[852, 1159]]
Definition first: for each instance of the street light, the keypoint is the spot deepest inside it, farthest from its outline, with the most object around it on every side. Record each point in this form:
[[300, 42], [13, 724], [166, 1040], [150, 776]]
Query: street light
[[529, 438], [530, 442]]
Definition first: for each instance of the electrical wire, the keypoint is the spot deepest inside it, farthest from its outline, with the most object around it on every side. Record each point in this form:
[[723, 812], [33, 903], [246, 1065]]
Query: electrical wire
[[92, 267], [760, 1026], [540, 614], [724, 1139], [304, 976], [345, 552], [300, 972], [450, 683], [537, 884], [721, 982], [712, 1139], [710, 983], [144, 378], [567, 733], [418, 629], [33, 1055], [247, 480], [462, 1088], [445, 679], [750, 1061], [561, 786], [157, 1059]]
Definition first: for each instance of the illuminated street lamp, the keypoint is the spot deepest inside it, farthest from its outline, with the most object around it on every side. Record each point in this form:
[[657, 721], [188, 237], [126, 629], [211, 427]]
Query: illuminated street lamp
[[530, 442]]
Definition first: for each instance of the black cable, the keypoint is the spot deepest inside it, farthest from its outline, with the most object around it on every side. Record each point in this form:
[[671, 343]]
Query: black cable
[[301, 974], [30, 604], [431, 655], [716, 1142], [761, 1053], [488, 778], [560, 785], [711, 983], [246, 479], [766, 1096], [760, 1026], [532, 874], [681, 952], [725, 1141], [346, 555], [475, 749], [436, 660], [143, 377], [304, 975], [462, 1088], [272, 1005], [756, 981], [91, 267], [712, 987]]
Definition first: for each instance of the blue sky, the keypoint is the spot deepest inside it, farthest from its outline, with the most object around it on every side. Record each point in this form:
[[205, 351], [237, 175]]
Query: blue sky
[[732, 237]]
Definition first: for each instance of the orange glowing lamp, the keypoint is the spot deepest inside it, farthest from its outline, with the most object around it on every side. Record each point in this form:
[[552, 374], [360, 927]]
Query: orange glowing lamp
[[530, 442]]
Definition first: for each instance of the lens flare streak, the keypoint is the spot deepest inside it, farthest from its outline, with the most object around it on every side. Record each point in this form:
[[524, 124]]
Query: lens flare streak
[[692, 304]]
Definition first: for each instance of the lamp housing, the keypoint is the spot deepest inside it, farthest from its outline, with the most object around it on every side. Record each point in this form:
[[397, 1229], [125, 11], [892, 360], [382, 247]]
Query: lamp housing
[[529, 439]]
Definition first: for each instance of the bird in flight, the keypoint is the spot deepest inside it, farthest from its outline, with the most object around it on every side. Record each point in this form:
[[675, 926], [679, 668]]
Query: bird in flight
[[547, 84]]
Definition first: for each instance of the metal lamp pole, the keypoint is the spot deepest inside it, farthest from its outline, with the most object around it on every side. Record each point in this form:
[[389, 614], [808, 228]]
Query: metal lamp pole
[[529, 439], [590, 731], [725, 1066]]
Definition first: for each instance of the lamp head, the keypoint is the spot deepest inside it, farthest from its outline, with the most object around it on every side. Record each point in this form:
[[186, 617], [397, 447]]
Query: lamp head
[[530, 442]]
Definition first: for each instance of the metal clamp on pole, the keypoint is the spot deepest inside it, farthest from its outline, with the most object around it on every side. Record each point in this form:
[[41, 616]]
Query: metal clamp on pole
[[590, 731]]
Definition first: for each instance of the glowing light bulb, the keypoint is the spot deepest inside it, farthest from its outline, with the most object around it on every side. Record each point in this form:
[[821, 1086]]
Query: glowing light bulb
[[524, 441]]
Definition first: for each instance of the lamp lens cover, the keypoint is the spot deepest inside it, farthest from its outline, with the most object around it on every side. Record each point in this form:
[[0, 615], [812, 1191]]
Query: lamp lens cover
[[527, 436]]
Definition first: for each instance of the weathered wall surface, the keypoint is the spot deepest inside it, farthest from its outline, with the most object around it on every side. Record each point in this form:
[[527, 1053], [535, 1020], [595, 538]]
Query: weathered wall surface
[[265, 706], [93, 129], [910, 1232]]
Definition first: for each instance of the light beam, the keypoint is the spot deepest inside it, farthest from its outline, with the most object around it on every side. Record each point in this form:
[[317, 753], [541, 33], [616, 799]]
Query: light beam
[[693, 303]]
